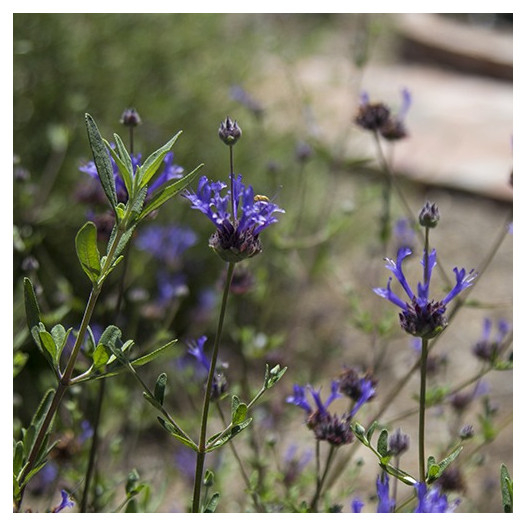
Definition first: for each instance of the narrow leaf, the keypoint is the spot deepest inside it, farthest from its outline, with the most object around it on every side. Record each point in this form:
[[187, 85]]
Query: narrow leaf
[[212, 504], [31, 304], [87, 251], [160, 387], [168, 192], [125, 159], [382, 443], [152, 163], [102, 161], [506, 488]]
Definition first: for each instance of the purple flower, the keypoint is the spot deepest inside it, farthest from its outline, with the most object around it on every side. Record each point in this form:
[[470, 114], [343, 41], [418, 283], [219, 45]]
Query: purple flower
[[487, 349], [385, 503], [219, 384], [421, 316], [356, 505], [169, 171], [358, 387], [166, 243], [197, 349], [237, 234], [326, 426], [430, 500], [299, 398], [66, 502], [377, 117]]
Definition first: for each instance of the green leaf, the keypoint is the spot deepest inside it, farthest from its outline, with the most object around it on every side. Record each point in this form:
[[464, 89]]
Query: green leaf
[[48, 343], [235, 430], [102, 161], [506, 488], [18, 457], [402, 476], [434, 470], [101, 355], [160, 387], [31, 304], [168, 192], [211, 505], [123, 161], [176, 434], [143, 360], [147, 170], [382, 445], [239, 411], [88, 252]]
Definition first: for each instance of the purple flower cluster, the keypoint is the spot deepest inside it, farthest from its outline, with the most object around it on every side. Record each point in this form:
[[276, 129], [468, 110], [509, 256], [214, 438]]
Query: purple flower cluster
[[237, 234], [486, 348], [377, 117], [421, 316], [326, 425]]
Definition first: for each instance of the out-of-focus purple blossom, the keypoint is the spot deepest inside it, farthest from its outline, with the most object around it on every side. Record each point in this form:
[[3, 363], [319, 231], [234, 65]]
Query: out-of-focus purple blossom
[[237, 234], [377, 117], [486, 348], [65, 503], [166, 243], [299, 398], [293, 464], [460, 401], [421, 316], [196, 348], [326, 426], [404, 234], [171, 286], [240, 95], [398, 443], [431, 500], [219, 383], [86, 431], [385, 503], [356, 505], [359, 387]]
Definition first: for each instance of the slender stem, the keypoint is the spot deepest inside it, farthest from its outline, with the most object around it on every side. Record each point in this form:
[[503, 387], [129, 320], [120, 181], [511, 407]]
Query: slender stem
[[102, 385], [208, 392], [422, 410], [320, 481], [253, 494], [94, 446]]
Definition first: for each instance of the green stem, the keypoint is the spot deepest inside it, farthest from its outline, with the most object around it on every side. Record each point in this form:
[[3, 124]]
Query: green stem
[[422, 411], [320, 481], [208, 392]]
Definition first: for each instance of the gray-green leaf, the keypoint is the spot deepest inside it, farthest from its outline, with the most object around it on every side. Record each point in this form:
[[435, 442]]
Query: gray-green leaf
[[87, 251], [101, 157]]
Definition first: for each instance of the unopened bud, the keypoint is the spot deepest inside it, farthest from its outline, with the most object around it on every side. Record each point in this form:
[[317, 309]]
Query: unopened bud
[[130, 118], [429, 215], [229, 131]]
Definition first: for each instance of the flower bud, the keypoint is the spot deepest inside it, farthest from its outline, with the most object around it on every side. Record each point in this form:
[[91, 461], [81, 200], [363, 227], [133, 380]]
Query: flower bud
[[229, 131], [130, 118], [429, 215]]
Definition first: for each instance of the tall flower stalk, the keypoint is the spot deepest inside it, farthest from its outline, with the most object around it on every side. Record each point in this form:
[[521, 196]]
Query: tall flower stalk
[[421, 316], [239, 217]]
